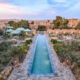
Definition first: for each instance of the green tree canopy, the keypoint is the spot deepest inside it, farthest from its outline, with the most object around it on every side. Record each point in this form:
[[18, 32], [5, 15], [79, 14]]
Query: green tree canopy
[[1, 32], [41, 28], [78, 26], [22, 34], [60, 23], [11, 23], [22, 23], [32, 22]]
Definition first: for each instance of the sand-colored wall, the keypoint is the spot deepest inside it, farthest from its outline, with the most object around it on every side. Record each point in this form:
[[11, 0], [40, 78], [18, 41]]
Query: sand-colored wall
[[58, 31]]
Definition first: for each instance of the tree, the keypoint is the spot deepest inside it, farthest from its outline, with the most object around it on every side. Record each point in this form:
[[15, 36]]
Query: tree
[[41, 28], [4, 46], [1, 32], [32, 22], [65, 22], [15, 25], [22, 23], [60, 23], [11, 23], [48, 20], [22, 34], [6, 36], [78, 26]]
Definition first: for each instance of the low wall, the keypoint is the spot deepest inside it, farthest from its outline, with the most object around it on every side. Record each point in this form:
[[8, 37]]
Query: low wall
[[59, 31]]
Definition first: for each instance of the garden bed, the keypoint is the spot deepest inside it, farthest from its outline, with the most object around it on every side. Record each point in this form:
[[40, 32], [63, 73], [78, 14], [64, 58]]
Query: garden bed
[[7, 52], [69, 55]]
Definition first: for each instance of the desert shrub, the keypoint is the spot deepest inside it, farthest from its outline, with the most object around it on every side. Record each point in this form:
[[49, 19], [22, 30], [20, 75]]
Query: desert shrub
[[5, 46], [24, 48], [5, 57], [22, 35], [60, 51], [16, 52], [58, 47], [28, 42], [54, 41], [19, 51], [4, 60], [75, 59], [1, 32], [5, 36], [30, 35], [75, 46], [1, 68], [62, 55], [13, 42]]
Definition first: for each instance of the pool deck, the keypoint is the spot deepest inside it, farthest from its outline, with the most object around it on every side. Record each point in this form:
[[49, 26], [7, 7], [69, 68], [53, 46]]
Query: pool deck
[[63, 73]]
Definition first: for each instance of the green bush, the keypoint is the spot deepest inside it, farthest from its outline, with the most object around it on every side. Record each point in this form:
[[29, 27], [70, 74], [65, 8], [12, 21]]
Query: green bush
[[13, 42], [28, 42], [58, 47], [5, 36], [5, 58], [54, 41], [16, 52], [19, 51], [4, 61], [60, 51], [7, 52], [4, 46], [1, 32], [22, 35], [75, 59]]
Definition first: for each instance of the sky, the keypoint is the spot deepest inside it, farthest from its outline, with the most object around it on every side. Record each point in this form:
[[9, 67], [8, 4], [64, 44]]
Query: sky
[[39, 9]]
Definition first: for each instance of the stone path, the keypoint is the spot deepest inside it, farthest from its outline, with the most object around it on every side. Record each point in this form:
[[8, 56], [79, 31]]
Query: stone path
[[62, 72]]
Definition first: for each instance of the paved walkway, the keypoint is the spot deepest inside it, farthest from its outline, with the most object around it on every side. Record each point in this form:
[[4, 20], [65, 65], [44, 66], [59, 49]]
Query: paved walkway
[[21, 72]]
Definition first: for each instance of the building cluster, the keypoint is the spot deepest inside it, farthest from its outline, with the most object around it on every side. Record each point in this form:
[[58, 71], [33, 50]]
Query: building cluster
[[47, 23], [73, 22], [11, 31], [3, 23], [34, 24]]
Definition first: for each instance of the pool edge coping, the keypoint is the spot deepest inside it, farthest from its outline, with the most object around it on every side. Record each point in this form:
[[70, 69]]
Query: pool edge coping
[[32, 59]]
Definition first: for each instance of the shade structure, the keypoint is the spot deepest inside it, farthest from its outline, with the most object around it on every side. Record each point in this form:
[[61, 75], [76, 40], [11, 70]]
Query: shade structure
[[27, 30], [16, 32], [9, 30], [20, 29], [9, 27]]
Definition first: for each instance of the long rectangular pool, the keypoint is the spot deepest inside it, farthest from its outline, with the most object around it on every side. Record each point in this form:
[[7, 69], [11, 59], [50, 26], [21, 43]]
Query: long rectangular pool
[[41, 62]]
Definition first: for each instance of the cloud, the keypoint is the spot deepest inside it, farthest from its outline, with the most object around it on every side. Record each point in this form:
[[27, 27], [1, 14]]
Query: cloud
[[6, 8], [52, 12], [59, 0], [73, 10], [38, 8]]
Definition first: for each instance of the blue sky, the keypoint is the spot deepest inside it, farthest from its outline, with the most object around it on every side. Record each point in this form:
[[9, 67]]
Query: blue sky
[[39, 9]]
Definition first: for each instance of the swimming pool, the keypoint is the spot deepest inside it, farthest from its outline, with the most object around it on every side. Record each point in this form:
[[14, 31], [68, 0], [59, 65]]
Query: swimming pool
[[41, 62]]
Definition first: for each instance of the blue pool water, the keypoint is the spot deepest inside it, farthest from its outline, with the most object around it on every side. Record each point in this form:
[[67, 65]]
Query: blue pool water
[[41, 62]]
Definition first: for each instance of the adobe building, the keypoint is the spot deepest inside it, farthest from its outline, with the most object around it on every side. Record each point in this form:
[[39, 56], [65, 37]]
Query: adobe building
[[73, 22], [47, 23]]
